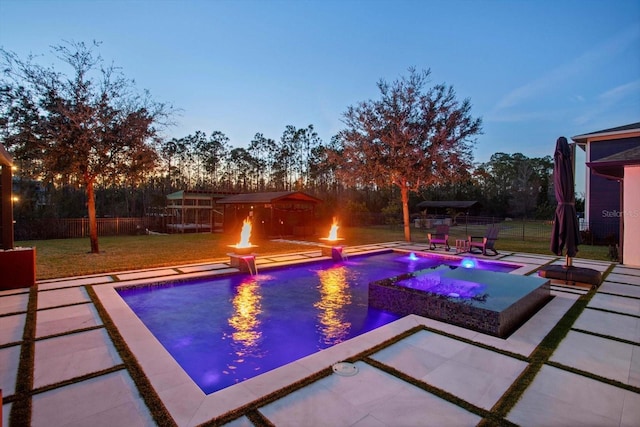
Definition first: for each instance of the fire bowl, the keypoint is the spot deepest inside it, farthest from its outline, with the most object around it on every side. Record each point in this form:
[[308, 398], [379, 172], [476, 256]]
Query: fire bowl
[[332, 241], [242, 250]]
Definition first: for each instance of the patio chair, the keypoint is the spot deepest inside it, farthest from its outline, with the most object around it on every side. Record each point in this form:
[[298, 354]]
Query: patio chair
[[485, 242], [440, 237]]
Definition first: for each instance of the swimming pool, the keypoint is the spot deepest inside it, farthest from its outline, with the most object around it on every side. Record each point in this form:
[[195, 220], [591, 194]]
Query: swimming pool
[[227, 329]]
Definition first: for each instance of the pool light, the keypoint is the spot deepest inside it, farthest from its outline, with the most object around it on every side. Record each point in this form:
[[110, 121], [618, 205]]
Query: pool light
[[468, 263]]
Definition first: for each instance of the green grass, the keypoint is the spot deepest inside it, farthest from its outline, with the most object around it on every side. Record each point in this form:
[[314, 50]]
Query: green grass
[[71, 257]]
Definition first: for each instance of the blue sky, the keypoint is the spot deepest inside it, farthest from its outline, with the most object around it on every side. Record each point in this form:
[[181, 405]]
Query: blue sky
[[533, 70]]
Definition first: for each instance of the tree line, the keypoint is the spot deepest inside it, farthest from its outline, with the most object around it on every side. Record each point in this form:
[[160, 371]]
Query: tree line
[[89, 144]]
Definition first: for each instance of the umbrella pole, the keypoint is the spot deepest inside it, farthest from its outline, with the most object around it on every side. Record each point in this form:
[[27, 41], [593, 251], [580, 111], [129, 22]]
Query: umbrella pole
[[568, 262]]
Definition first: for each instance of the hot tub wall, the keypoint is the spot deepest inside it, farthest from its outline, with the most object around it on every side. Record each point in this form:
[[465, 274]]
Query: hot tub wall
[[516, 314], [404, 301], [385, 295]]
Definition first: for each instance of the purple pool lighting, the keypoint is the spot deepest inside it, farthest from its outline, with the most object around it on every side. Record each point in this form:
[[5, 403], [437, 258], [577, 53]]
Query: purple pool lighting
[[227, 329], [432, 282]]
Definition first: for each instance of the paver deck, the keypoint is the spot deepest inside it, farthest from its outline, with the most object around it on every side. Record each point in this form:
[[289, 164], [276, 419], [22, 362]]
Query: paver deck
[[592, 378]]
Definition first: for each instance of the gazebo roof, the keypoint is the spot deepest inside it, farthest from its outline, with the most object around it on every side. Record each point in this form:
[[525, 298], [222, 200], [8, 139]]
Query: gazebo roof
[[269, 197], [198, 194]]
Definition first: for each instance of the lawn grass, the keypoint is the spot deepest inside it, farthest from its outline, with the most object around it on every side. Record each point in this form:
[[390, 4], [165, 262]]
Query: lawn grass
[[71, 257]]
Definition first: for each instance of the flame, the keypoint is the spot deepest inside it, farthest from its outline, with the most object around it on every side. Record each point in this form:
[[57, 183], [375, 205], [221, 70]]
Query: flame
[[333, 233], [245, 234]]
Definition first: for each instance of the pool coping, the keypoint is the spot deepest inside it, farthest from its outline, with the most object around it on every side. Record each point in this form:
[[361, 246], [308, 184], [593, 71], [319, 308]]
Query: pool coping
[[189, 405]]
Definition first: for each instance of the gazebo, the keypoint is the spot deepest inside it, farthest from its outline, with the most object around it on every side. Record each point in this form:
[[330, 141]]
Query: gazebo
[[277, 213], [194, 211]]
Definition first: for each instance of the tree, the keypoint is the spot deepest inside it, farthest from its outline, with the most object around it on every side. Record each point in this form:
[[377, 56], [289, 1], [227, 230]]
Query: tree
[[90, 125], [215, 152], [411, 137], [262, 151], [515, 184]]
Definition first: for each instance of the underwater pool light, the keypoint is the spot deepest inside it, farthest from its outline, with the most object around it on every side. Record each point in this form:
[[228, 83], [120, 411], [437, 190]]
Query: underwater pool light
[[468, 263], [413, 256]]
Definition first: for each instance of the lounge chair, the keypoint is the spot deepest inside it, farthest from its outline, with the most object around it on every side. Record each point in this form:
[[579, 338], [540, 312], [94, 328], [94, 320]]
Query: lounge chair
[[440, 237], [485, 242]]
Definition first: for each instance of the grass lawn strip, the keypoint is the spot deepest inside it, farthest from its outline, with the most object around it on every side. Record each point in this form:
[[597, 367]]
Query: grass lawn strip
[[79, 379], [22, 400], [443, 394], [592, 376], [540, 356], [280, 393], [259, 420], [155, 405], [20, 414], [73, 332], [493, 417], [265, 400]]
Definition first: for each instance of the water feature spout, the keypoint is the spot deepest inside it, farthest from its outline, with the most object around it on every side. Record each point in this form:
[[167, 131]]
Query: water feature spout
[[244, 263], [250, 262]]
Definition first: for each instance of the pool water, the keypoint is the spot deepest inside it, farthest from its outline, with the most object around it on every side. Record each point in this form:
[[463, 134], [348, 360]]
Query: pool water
[[227, 329]]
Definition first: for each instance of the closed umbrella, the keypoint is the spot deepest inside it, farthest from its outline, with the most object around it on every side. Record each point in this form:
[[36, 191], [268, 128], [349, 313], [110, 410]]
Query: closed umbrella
[[565, 233]]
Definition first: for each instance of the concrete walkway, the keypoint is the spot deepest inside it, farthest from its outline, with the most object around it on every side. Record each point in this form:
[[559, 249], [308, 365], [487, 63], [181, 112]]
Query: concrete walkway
[[437, 375]]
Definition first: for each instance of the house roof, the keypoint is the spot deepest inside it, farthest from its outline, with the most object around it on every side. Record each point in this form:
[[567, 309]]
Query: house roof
[[463, 204], [269, 197], [613, 166], [618, 131]]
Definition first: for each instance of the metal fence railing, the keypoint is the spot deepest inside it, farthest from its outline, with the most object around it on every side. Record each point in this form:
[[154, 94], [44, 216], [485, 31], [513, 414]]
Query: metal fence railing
[[510, 228], [65, 228], [461, 226]]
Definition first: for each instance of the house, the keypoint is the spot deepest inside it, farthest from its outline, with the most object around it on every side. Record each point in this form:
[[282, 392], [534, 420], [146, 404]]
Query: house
[[624, 168], [603, 193]]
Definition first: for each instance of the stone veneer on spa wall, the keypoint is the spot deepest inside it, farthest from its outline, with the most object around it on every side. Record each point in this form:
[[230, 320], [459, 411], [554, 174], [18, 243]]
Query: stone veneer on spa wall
[[485, 301]]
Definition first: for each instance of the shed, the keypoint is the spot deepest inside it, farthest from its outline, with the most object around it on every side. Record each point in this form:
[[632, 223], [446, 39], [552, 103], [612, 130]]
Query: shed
[[277, 213], [194, 211]]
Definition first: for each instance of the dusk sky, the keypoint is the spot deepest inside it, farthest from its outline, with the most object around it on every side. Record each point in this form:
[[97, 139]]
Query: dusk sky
[[533, 70]]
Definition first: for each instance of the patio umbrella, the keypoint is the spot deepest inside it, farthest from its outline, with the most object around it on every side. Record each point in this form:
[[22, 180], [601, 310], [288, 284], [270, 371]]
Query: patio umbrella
[[565, 233]]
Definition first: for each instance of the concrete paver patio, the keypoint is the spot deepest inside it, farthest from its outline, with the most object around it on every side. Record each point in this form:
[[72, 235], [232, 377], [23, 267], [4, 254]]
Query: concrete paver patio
[[592, 378]]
